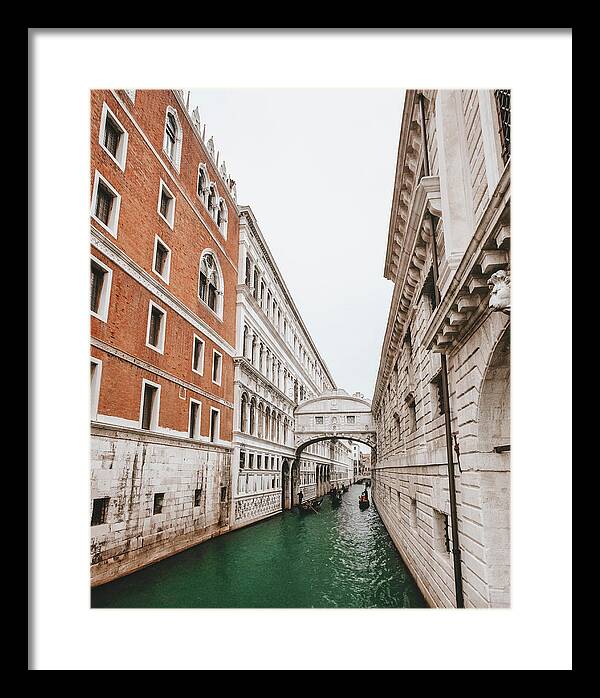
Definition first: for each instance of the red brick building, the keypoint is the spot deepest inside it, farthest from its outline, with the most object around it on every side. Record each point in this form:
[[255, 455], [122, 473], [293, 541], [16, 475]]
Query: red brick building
[[164, 246]]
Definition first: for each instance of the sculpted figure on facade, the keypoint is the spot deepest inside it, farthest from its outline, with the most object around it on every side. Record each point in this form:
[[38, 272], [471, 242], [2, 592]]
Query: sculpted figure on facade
[[499, 284]]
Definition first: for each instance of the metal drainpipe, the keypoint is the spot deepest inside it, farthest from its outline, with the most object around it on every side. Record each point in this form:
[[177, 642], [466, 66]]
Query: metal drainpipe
[[460, 602]]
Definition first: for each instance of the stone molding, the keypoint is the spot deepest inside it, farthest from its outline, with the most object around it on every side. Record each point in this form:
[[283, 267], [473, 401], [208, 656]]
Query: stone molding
[[118, 257], [103, 346]]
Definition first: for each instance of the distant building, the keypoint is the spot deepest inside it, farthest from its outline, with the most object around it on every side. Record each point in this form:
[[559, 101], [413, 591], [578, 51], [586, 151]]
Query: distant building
[[277, 366], [459, 197], [364, 468]]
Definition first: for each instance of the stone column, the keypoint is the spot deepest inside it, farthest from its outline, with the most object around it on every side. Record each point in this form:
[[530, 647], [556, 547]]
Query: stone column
[[455, 182]]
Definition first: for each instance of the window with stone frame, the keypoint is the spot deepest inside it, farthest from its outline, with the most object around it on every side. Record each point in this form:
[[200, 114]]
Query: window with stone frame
[[441, 532], [100, 510], [149, 406], [166, 204], [412, 413], [198, 497], [159, 500], [209, 284], [437, 396], [162, 259]]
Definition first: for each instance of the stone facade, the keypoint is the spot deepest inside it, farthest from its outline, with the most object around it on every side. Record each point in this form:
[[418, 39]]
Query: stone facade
[[164, 241], [464, 204], [277, 366]]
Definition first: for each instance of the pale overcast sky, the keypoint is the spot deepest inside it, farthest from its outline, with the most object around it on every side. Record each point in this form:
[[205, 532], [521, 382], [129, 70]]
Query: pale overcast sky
[[317, 168]]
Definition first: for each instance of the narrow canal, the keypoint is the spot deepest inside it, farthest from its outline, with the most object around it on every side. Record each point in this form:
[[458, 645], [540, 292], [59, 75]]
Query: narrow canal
[[339, 558]]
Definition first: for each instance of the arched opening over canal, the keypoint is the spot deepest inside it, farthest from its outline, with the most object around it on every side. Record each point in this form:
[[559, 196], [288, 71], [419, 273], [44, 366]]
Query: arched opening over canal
[[325, 477]]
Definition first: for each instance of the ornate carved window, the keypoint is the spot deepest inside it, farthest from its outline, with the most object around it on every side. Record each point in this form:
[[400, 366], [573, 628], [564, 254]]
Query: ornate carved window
[[503, 109]]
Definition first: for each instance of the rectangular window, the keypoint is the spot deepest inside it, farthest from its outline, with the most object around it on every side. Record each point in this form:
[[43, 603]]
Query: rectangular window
[[198, 356], [162, 259], [166, 204], [96, 283], [105, 204], [195, 411], [437, 401], [217, 367], [100, 282], [113, 137], [149, 406], [157, 319], [412, 413], [100, 510], [159, 500], [197, 497], [351, 419], [215, 418], [242, 459], [223, 494], [95, 374], [318, 420], [441, 532], [259, 462], [251, 460]]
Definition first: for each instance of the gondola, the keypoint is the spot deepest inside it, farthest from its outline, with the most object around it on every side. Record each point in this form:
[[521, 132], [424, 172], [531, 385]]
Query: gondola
[[311, 506], [363, 502], [336, 498]]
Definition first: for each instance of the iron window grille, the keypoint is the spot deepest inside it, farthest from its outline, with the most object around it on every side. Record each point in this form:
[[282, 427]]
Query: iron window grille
[[161, 259], [99, 511], [155, 322], [165, 203], [96, 283], [112, 136], [104, 203], [503, 108]]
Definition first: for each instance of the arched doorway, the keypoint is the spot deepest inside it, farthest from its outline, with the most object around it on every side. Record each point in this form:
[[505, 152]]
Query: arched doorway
[[494, 404], [286, 486]]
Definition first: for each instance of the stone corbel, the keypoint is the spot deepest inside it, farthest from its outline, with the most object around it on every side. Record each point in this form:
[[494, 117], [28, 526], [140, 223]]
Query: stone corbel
[[431, 186], [499, 284]]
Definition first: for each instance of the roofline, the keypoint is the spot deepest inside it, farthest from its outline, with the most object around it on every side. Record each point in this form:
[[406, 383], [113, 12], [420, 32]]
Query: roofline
[[247, 212]]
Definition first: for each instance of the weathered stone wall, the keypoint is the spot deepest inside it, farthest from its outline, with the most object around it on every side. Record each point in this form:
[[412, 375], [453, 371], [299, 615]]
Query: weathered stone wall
[[130, 468], [411, 487]]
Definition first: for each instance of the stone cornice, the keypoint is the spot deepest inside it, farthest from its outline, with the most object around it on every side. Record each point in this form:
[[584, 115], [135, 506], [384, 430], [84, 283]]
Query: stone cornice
[[412, 260], [486, 254], [145, 436]]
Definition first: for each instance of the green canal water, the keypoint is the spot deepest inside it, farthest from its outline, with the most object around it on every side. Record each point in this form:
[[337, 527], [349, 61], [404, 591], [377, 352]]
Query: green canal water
[[339, 558]]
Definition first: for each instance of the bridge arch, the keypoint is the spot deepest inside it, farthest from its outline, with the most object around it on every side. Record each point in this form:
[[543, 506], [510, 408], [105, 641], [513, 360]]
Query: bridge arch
[[333, 415]]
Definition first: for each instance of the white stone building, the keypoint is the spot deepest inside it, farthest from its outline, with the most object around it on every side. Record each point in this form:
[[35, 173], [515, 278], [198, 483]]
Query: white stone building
[[452, 185], [277, 366]]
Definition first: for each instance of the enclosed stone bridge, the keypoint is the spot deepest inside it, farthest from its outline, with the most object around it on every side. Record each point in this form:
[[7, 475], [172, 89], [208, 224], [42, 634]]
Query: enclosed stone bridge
[[334, 415], [329, 416]]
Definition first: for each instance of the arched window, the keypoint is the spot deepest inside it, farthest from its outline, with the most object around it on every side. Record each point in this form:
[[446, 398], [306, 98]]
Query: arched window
[[261, 420], [221, 216], [202, 188], [252, 416], [213, 199], [173, 137], [245, 342], [248, 277], [244, 412], [209, 285], [267, 434]]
